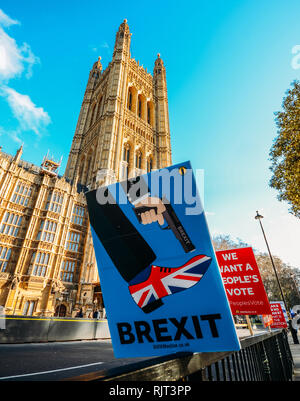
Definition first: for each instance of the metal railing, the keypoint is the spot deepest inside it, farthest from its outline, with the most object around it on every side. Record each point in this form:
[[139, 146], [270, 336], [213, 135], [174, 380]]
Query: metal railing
[[264, 357]]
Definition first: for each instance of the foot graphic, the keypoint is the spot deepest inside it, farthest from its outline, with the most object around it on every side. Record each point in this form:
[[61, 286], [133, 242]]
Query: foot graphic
[[156, 282]]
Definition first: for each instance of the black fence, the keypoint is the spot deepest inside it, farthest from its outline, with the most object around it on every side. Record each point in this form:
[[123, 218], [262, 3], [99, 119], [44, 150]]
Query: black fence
[[265, 357]]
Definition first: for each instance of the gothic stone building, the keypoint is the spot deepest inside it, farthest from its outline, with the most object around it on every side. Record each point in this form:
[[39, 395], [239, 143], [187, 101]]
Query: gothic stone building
[[47, 261]]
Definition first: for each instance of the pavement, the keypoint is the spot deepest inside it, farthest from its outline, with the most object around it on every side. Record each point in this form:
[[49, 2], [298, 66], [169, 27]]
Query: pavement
[[295, 349]]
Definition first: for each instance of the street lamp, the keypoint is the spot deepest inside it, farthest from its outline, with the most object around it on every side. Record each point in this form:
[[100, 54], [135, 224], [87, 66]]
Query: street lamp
[[293, 332]]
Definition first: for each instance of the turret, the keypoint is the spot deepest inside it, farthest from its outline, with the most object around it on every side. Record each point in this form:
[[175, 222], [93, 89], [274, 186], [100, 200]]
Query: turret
[[122, 43], [18, 154], [94, 76], [162, 113], [95, 73]]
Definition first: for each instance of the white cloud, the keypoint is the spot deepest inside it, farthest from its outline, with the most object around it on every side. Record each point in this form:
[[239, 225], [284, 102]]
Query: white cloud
[[282, 232], [15, 136], [30, 117], [105, 45], [96, 49], [5, 20], [16, 60]]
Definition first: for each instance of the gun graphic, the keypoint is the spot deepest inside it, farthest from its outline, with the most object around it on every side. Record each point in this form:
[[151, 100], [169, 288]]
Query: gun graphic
[[173, 222]]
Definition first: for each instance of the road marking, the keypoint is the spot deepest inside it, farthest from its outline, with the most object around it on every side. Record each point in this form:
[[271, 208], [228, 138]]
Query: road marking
[[51, 371]]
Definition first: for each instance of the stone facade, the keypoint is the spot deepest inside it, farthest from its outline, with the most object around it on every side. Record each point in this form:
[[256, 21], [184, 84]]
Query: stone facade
[[47, 261], [43, 239]]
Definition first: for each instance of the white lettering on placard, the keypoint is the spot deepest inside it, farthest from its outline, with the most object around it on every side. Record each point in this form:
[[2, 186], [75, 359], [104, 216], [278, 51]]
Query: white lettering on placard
[[229, 256]]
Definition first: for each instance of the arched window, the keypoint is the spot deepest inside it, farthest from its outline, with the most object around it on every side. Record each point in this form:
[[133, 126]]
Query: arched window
[[39, 264], [150, 113], [4, 257], [129, 99], [99, 111], [126, 153], [140, 108], [81, 169], [31, 308], [125, 163], [26, 306], [149, 165], [138, 160], [60, 310], [88, 167], [93, 114]]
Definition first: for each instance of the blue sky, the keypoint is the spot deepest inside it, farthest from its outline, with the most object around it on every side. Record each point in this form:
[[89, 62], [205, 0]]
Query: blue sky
[[228, 64]]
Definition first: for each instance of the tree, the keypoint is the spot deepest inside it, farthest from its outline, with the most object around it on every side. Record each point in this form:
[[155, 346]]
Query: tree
[[223, 242], [285, 151]]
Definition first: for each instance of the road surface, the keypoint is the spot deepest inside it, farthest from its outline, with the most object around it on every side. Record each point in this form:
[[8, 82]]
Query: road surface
[[56, 361], [60, 360]]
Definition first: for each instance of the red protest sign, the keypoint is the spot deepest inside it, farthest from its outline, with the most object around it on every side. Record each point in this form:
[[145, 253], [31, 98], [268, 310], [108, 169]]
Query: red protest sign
[[242, 281], [267, 320], [279, 320]]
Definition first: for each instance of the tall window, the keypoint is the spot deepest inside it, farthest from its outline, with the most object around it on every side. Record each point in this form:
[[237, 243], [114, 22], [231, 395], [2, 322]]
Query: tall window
[[126, 153], [54, 202], [140, 108], [81, 169], [138, 160], [125, 164], [88, 168], [77, 215], [28, 308], [148, 115], [149, 165], [130, 100], [4, 257], [93, 114], [39, 263], [99, 107], [72, 241], [11, 224], [22, 194], [67, 270], [47, 231]]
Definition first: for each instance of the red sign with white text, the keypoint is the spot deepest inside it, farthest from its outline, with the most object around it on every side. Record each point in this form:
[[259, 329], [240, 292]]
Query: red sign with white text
[[278, 316], [242, 281]]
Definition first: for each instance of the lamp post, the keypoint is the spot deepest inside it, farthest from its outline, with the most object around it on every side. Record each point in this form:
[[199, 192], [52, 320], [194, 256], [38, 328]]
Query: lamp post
[[293, 332]]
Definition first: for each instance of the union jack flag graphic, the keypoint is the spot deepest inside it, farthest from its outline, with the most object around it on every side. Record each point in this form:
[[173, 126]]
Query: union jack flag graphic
[[164, 281]]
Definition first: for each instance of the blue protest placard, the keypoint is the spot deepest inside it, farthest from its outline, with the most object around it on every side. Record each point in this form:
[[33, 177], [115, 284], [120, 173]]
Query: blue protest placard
[[161, 284]]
